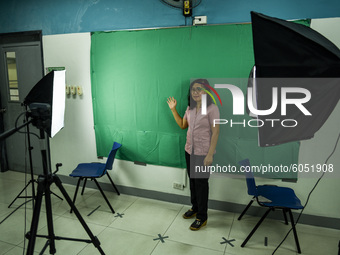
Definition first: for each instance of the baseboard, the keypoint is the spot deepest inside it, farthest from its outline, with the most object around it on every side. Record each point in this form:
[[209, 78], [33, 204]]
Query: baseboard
[[319, 221]]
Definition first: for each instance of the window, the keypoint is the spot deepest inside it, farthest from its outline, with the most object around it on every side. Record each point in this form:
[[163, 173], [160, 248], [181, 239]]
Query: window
[[12, 76]]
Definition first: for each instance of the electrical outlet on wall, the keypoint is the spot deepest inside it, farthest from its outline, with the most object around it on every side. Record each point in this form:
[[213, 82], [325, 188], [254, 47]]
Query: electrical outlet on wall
[[199, 20], [177, 185]]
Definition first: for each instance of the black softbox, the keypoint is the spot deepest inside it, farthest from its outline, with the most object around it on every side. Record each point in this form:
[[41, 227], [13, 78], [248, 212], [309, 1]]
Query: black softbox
[[46, 101], [291, 55]]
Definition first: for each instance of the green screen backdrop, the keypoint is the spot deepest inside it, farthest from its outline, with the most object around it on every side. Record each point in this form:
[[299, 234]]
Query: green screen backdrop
[[134, 72]]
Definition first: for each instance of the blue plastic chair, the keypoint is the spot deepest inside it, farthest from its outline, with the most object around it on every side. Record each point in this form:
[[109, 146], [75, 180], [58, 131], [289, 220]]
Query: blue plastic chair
[[93, 171], [276, 198]]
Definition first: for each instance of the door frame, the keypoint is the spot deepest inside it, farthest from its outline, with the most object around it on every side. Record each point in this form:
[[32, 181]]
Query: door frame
[[17, 39]]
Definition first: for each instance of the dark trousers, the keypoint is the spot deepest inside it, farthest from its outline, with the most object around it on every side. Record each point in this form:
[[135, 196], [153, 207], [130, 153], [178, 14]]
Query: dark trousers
[[199, 186]]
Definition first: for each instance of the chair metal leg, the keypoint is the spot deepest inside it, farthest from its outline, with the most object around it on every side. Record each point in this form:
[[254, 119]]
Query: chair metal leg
[[285, 216], [82, 191], [101, 191], [294, 231], [256, 227], [114, 186], [245, 210], [75, 193]]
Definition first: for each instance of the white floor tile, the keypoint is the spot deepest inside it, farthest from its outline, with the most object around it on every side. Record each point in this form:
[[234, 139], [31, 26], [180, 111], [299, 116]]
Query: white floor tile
[[17, 251], [11, 188], [15, 176], [148, 217], [14, 228], [273, 230], [138, 221], [317, 240], [69, 228], [209, 236], [103, 215], [5, 247], [171, 247], [115, 241]]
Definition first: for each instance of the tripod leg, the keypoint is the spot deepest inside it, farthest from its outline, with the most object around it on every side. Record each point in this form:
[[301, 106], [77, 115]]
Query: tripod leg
[[30, 148], [56, 195], [35, 219], [48, 204], [20, 194], [94, 239]]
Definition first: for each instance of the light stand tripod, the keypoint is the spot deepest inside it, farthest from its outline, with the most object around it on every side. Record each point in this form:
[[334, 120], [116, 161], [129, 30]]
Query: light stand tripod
[[41, 119], [32, 180], [44, 183], [46, 101]]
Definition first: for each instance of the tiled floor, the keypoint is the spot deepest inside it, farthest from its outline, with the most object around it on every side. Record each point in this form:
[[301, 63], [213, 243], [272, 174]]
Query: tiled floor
[[138, 224]]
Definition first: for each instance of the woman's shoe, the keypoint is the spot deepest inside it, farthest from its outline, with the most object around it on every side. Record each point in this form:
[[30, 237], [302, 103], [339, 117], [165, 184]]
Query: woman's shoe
[[189, 214], [197, 224]]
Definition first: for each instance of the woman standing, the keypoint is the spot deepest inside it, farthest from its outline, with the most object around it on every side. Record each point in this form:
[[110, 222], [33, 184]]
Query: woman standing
[[200, 146]]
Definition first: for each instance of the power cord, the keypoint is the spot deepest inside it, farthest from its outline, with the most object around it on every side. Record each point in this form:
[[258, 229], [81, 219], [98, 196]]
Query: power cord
[[16, 125], [25, 218], [310, 193], [26, 201]]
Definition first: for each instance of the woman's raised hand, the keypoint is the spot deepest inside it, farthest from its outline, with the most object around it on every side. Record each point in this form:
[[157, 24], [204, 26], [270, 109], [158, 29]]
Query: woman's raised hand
[[172, 103]]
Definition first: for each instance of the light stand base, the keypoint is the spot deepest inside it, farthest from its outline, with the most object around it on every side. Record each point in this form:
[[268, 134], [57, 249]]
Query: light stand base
[[19, 195], [33, 196], [44, 183]]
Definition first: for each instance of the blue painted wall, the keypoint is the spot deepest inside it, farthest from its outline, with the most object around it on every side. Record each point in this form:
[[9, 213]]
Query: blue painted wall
[[74, 16]]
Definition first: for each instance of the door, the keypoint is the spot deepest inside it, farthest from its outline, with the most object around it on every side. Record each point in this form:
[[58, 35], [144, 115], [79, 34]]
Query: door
[[21, 67]]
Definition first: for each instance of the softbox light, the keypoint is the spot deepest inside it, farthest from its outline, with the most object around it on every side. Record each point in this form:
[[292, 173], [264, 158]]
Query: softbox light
[[47, 100], [291, 55]]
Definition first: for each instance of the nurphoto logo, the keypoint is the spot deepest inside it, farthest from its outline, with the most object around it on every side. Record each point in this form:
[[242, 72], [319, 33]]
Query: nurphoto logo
[[238, 105]]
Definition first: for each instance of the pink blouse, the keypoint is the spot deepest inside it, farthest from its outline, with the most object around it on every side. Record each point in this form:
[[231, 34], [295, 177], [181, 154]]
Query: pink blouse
[[199, 130]]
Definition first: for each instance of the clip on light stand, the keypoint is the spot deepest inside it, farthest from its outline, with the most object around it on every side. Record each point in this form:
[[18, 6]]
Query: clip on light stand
[[44, 183], [32, 180], [45, 101]]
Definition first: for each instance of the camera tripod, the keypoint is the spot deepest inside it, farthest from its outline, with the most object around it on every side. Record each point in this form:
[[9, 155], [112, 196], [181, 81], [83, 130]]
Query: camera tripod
[[44, 183]]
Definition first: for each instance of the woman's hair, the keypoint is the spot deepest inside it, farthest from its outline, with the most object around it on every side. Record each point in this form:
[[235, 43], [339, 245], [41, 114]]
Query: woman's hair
[[191, 102]]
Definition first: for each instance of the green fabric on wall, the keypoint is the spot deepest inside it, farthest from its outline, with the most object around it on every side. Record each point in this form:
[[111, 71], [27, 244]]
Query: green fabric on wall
[[134, 72]]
